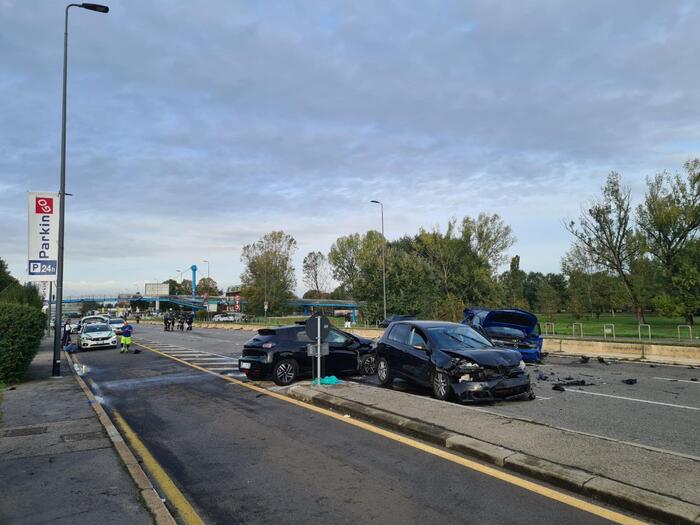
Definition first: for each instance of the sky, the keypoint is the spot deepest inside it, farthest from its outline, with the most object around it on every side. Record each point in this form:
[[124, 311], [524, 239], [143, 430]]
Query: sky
[[195, 128]]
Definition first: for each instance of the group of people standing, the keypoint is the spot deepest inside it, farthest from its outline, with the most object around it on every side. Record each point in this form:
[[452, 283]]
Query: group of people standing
[[182, 320]]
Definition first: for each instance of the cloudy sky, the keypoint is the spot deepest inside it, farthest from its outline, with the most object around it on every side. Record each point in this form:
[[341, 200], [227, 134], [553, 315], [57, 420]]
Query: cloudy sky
[[194, 128]]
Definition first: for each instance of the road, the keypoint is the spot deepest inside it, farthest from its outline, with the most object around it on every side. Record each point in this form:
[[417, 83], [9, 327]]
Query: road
[[241, 456], [662, 410]]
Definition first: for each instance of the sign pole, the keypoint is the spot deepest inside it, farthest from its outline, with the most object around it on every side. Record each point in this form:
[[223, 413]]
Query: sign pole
[[48, 311], [318, 362]]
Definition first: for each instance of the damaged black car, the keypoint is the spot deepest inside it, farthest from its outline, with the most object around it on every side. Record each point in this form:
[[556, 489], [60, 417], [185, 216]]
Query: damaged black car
[[452, 359]]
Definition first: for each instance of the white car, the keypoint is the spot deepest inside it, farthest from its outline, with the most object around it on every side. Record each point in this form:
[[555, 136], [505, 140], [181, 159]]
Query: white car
[[97, 335], [116, 324], [231, 317]]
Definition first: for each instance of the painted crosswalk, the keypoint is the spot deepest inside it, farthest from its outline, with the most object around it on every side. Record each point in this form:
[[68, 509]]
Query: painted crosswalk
[[222, 364]]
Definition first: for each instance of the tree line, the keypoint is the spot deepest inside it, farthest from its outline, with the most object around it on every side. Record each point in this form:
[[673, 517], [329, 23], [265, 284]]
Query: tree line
[[622, 258]]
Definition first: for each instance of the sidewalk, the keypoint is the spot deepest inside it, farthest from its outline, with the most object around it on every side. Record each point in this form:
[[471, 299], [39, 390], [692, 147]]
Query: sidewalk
[[651, 483], [57, 462]]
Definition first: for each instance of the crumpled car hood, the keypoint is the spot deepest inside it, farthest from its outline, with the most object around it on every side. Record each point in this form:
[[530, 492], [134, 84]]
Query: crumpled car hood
[[488, 356], [519, 319]]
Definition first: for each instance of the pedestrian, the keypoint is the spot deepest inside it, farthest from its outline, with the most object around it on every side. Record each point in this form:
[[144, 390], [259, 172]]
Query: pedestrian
[[126, 331], [166, 322], [190, 319], [138, 318], [65, 339]]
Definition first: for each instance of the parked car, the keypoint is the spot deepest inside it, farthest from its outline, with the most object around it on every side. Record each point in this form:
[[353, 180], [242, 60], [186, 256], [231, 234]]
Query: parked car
[[97, 335], [281, 353], [512, 328], [393, 318], [453, 360], [116, 324], [88, 319]]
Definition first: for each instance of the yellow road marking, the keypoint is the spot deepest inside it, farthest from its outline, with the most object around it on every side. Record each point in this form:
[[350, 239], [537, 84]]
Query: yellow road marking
[[184, 508], [547, 492]]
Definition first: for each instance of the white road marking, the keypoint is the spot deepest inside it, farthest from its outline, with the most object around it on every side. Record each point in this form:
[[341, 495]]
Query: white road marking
[[679, 380], [633, 399], [542, 398]]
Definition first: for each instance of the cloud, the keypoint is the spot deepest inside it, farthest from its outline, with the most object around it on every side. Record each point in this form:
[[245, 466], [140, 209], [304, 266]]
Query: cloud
[[194, 131]]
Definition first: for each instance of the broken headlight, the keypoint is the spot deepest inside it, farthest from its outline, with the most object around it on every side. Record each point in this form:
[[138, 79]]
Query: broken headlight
[[467, 370]]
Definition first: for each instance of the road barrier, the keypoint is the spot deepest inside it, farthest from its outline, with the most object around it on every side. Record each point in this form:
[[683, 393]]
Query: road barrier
[[690, 331], [687, 355], [639, 330]]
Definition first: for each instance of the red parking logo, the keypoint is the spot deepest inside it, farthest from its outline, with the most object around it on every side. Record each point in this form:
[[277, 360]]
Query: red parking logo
[[44, 205]]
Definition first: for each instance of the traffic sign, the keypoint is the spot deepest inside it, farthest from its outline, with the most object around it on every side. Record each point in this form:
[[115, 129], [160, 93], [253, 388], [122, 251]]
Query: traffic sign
[[313, 330]]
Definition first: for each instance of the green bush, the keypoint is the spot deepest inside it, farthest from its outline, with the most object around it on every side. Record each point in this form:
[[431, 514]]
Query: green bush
[[21, 330]]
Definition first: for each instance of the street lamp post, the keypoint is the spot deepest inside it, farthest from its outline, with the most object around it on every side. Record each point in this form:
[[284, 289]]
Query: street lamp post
[[56, 369], [383, 255]]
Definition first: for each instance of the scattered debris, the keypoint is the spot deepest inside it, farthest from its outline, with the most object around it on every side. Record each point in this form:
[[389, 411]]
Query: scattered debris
[[542, 377], [652, 366], [568, 378], [631, 381], [12, 388], [602, 360], [574, 382], [584, 359], [693, 378], [559, 388]]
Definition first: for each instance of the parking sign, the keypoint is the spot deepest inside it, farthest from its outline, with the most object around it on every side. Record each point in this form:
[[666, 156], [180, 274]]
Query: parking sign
[[43, 236]]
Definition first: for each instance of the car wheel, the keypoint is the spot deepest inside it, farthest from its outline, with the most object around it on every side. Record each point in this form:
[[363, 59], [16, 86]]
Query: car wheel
[[368, 365], [285, 372], [383, 372], [442, 389]]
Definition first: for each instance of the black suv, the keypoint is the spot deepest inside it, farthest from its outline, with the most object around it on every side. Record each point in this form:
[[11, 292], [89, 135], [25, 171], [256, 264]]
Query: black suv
[[281, 353], [452, 359]]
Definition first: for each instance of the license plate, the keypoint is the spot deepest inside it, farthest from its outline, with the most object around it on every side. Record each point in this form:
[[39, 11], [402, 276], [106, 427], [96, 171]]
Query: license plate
[[245, 366]]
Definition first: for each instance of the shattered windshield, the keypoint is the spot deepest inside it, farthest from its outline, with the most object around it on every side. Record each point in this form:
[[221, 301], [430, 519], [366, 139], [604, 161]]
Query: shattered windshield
[[457, 337]]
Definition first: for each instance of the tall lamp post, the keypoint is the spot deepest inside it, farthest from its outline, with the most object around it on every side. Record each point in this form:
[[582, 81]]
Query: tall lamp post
[[56, 369], [383, 255]]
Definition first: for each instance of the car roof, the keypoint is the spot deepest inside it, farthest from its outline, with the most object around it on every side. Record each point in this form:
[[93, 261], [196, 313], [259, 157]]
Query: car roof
[[427, 324]]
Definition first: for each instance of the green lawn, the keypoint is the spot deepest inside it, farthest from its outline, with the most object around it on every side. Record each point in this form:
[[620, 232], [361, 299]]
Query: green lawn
[[625, 326]]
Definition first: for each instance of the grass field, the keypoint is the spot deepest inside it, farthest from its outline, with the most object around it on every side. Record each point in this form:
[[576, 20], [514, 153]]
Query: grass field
[[625, 325]]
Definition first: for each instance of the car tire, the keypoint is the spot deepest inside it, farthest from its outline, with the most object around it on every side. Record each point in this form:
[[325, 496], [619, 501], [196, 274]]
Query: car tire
[[285, 372], [384, 372], [442, 389], [368, 365]]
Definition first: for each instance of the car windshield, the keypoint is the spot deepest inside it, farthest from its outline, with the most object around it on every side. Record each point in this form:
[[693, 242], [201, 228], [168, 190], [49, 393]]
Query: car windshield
[[116, 321], [457, 337], [505, 331], [96, 327]]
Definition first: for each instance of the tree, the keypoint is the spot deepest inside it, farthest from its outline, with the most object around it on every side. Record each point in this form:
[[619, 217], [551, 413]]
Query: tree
[[549, 300], [269, 273], [605, 231], [669, 221], [670, 215], [207, 285], [514, 285], [11, 291], [343, 260], [489, 237], [316, 273], [88, 306]]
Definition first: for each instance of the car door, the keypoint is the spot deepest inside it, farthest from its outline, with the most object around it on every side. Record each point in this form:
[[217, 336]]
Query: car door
[[417, 358], [342, 356], [395, 347]]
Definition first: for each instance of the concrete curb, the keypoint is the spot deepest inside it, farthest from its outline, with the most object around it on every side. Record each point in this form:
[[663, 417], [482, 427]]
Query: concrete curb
[[148, 493], [628, 497]]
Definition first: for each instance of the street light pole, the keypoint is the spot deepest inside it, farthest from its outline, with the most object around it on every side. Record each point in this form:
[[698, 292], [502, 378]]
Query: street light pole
[[383, 255], [56, 368]]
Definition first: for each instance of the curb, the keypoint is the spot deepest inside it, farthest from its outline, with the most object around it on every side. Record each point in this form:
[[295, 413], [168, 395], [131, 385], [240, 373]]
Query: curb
[[148, 493], [640, 501]]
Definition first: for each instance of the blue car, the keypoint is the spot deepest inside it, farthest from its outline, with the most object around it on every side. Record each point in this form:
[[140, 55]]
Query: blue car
[[515, 329]]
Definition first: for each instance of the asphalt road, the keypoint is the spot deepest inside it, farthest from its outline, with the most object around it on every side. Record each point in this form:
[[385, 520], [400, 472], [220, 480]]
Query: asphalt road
[[662, 410], [242, 457]]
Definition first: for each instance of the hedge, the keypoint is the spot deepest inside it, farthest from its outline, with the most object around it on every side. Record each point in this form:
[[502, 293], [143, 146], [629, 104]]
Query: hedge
[[21, 330]]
